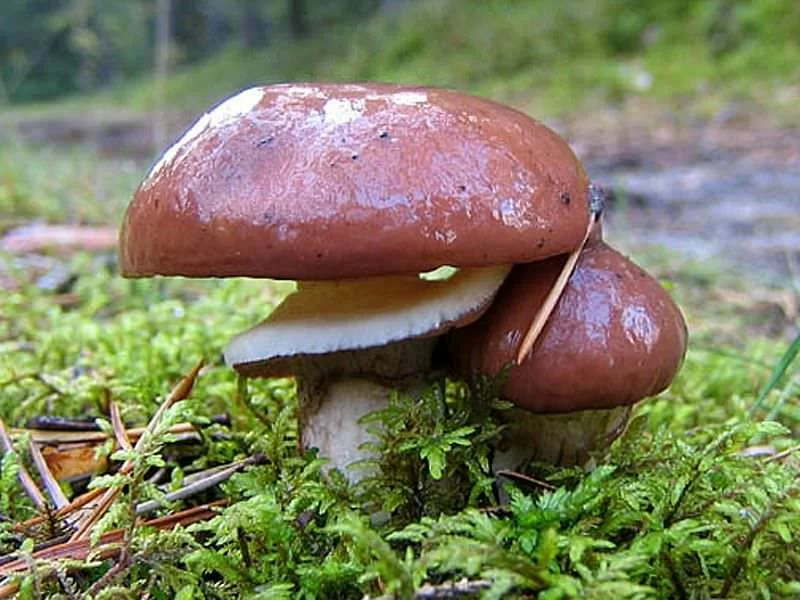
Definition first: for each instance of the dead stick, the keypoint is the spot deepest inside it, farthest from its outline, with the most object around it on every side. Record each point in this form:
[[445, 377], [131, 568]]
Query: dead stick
[[199, 475], [50, 482], [28, 484], [196, 487]]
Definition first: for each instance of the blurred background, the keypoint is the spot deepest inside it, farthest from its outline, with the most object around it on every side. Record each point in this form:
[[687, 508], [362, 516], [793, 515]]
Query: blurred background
[[688, 110]]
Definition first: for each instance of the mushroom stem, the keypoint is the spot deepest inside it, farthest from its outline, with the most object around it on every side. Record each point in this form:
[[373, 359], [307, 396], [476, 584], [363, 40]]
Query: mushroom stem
[[336, 391], [329, 421], [559, 439]]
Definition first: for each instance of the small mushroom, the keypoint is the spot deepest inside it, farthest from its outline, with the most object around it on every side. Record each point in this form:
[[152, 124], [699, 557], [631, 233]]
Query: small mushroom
[[614, 337], [267, 185]]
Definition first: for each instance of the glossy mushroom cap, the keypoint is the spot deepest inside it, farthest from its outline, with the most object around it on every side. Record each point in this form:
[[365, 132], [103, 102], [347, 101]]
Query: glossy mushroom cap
[[614, 338], [332, 181]]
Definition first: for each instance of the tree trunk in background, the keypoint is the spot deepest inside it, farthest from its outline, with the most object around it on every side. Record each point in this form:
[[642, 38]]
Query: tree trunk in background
[[391, 5], [254, 27], [81, 8], [298, 26], [163, 26], [218, 28]]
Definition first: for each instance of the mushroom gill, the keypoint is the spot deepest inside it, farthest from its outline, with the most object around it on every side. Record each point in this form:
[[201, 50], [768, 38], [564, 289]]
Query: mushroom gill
[[350, 343]]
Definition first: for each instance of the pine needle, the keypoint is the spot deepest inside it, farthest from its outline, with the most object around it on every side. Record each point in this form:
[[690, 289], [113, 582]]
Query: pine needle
[[50, 483], [179, 392], [119, 427], [553, 296]]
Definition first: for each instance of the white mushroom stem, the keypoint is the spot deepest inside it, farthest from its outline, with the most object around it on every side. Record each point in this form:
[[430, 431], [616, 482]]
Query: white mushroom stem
[[330, 423], [335, 393], [558, 439]]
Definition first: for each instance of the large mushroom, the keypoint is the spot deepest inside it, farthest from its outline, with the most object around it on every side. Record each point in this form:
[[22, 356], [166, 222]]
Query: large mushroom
[[355, 191], [614, 337]]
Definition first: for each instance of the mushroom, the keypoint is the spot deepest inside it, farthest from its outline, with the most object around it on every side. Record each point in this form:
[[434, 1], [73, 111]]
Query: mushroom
[[356, 191], [614, 337], [350, 343]]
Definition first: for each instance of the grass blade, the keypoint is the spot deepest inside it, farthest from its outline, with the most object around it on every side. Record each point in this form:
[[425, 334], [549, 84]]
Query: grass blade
[[777, 373]]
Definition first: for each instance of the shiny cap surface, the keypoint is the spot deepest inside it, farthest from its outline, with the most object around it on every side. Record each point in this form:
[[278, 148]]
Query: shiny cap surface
[[330, 181], [614, 338]]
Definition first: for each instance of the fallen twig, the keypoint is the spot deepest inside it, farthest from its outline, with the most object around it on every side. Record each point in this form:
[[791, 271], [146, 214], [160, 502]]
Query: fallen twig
[[198, 484], [38, 237]]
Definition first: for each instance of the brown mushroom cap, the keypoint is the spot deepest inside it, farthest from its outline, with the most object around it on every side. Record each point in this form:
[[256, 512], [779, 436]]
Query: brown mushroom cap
[[614, 338], [330, 181]]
